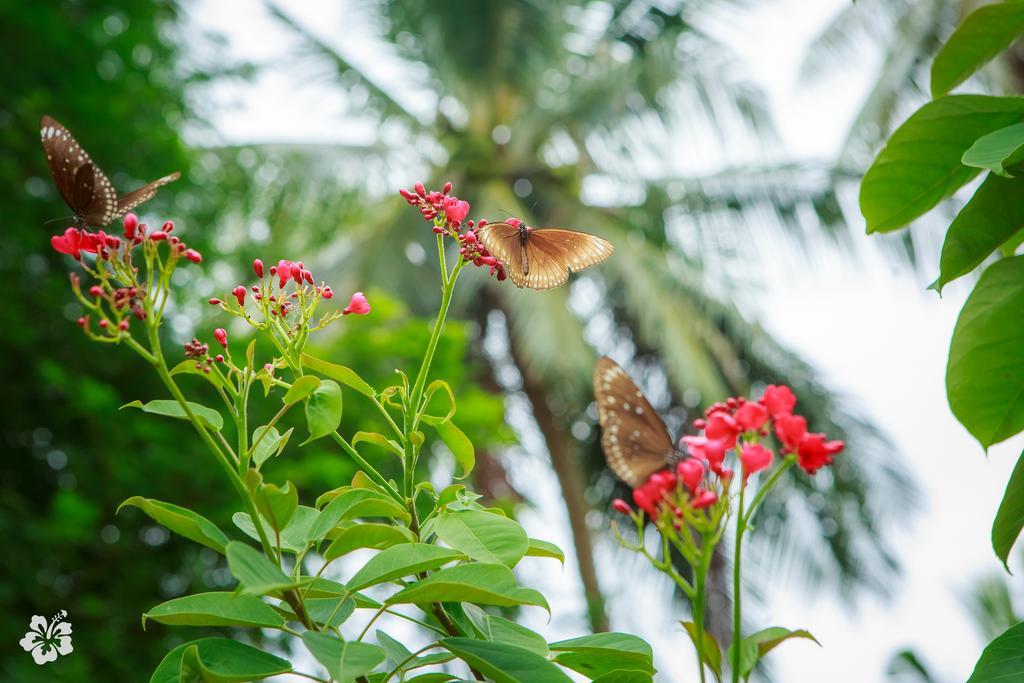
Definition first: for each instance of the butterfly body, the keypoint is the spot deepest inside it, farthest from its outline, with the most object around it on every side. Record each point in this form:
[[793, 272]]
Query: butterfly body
[[635, 441], [542, 258], [81, 183]]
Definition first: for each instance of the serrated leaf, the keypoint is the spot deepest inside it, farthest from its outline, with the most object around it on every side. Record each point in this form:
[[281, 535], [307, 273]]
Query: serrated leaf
[[340, 373], [983, 34], [921, 165], [215, 609], [181, 521], [477, 582], [400, 561], [208, 417]]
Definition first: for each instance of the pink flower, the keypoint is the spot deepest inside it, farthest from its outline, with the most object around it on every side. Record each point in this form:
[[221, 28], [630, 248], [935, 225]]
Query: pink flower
[[814, 452], [751, 416], [721, 426], [131, 222], [644, 500], [239, 293], [73, 242], [755, 458], [690, 472], [358, 305], [193, 256], [257, 267], [779, 400], [703, 498], [712, 451], [221, 335], [790, 429], [455, 210]]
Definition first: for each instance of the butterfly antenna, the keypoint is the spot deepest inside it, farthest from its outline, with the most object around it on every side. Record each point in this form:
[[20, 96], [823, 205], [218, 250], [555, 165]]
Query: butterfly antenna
[[54, 220]]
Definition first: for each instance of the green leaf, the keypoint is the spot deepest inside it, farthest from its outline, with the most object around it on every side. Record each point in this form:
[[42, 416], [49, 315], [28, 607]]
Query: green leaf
[[330, 611], [1002, 660], [268, 446], [181, 521], [435, 677], [367, 535], [997, 150], [985, 375], [402, 560], [983, 34], [477, 582], [215, 609], [378, 440], [277, 504], [301, 388], [323, 410], [921, 165], [460, 446], [539, 548], [483, 536], [1010, 517], [340, 373], [344, 660], [223, 659], [256, 574], [624, 676], [398, 654], [755, 646], [711, 650], [433, 388], [602, 653], [993, 215], [502, 630], [293, 537], [353, 503], [504, 663], [208, 417]]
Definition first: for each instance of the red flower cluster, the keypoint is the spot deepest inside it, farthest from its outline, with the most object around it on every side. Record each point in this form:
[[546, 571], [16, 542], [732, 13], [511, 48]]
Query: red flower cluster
[[75, 241], [448, 214], [669, 492]]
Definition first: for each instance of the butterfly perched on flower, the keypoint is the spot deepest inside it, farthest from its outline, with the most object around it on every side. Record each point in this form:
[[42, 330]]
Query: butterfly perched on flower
[[636, 442], [542, 258], [84, 187]]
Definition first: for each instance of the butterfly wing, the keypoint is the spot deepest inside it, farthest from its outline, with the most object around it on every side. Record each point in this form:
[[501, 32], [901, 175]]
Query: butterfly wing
[[143, 194], [502, 240], [552, 253], [636, 442], [72, 169]]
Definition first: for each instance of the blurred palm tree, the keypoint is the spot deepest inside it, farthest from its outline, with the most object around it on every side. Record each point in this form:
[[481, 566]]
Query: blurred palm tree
[[613, 117]]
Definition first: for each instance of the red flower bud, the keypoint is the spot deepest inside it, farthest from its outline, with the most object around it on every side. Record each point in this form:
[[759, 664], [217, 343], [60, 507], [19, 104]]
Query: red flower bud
[[131, 222], [168, 226], [269, 368], [239, 293], [327, 293], [123, 325], [215, 302], [257, 266], [83, 321], [703, 499], [158, 236], [447, 188], [221, 335], [357, 304], [104, 323], [420, 190], [469, 237], [193, 256], [219, 358], [95, 290], [622, 506]]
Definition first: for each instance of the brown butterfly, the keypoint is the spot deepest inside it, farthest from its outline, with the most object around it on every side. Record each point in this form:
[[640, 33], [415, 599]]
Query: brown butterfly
[[542, 259], [636, 442], [84, 187]]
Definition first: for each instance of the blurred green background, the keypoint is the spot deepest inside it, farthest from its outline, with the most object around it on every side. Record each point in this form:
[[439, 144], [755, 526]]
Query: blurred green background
[[530, 103]]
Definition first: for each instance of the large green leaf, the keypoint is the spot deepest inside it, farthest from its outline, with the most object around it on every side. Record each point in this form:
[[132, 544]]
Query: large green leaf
[[602, 653], [400, 654], [708, 646], [330, 611], [209, 417], [346, 376], [222, 660], [459, 444], [367, 535], [295, 535], [505, 663], [182, 521], [483, 536], [476, 582], [997, 150], [983, 34], [301, 388], [255, 572], [502, 630], [755, 646], [985, 375], [539, 548], [921, 165], [323, 410], [353, 503], [277, 504], [344, 660], [993, 215], [266, 443], [1002, 660], [402, 560], [215, 609], [1010, 517]]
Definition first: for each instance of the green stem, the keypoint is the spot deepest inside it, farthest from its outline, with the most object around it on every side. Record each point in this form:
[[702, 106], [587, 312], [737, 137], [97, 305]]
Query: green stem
[[700, 601], [736, 597]]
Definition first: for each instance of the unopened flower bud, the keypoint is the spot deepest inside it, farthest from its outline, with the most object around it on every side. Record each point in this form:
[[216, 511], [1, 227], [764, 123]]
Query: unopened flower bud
[[193, 255], [123, 325], [221, 335], [358, 305], [215, 302], [269, 368], [219, 358], [327, 293], [239, 293], [420, 190], [158, 236], [622, 506], [95, 290], [257, 266], [131, 223], [168, 226]]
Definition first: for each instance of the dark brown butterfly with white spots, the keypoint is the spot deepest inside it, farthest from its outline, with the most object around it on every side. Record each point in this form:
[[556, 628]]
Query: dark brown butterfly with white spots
[[542, 258], [636, 442], [84, 187]]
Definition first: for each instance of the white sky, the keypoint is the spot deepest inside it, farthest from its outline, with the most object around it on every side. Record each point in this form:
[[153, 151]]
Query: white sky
[[872, 330]]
